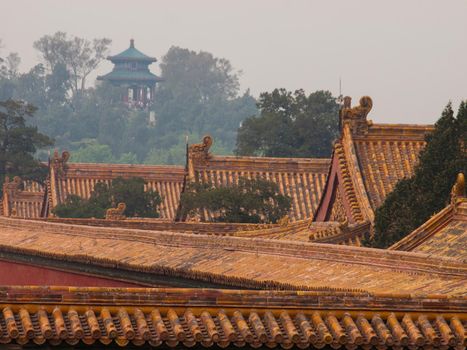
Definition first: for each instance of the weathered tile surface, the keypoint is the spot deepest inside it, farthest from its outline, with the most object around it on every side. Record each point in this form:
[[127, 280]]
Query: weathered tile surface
[[242, 262]]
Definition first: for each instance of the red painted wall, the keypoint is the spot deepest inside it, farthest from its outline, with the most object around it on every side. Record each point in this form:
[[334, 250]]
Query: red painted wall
[[14, 273]]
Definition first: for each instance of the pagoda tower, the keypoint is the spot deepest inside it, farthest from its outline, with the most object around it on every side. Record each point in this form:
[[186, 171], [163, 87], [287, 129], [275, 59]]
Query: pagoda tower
[[131, 71]]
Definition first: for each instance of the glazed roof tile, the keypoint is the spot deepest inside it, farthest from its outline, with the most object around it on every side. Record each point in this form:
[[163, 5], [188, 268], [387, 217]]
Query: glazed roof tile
[[387, 154], [80, 179], [302, 179], [444, 234], [303, 230], [139, 75], [308, 231], [168, 317], [234, 261], [368, 160], [131, 54]]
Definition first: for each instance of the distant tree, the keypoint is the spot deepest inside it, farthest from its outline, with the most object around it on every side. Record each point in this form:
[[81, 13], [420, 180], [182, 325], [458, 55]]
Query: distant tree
[[127, 158], [8, 71], [414, 200], [200, 94], [19, 142], [10, 65], [249, 201], [79, 56], [130, 191], [93, 152], [290, 125]]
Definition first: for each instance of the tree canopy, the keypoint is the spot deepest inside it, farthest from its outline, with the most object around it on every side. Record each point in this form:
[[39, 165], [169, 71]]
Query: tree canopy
[[200, 94], [19, 142], [139, 203], [414, 200], [290, 124], [249, 201], [77, 56]]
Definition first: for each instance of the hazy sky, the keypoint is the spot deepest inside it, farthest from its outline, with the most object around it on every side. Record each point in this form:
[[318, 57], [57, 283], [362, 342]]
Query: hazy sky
[[409, 56]]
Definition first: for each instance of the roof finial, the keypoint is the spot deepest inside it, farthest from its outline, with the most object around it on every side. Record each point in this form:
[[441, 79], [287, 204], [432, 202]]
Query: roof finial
[[132, 43], [459, 186], [458, 191]]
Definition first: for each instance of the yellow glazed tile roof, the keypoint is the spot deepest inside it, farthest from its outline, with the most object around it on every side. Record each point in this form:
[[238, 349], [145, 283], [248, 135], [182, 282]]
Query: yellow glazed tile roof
[[302, 179], [80, 179], [186, 318], [444, 234], [235, 261]]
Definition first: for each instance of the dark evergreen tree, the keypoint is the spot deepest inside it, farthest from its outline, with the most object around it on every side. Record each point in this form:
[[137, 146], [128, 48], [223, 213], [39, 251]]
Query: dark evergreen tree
[[138, 201], [19, 142], [290, 125], [414, 200]]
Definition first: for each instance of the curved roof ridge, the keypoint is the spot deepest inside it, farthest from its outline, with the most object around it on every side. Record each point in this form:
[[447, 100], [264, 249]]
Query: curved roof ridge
[[104, 166], [185, 259], [234, 243], [131, 54], [275, 159], [356, 177], [442, 235]]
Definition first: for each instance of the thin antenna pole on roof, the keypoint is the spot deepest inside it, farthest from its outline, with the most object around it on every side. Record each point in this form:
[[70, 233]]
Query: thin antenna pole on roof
[[340, 98]]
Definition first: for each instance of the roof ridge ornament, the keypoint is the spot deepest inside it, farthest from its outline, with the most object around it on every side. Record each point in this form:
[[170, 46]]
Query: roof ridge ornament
[[12, 186], [199, 152], [59, 162], [356, 117], [458, 190], [116, 213]]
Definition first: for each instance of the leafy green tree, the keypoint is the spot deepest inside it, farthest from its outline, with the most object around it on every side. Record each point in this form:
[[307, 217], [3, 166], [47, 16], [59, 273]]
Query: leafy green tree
[[8, 72], [92, 152], [138, 201], [129, 191], [79, 56], [290, 125], [127, 158], [414, 200], [199, 95], [10, 65], [77, 207], [249, 201], [19, 142]]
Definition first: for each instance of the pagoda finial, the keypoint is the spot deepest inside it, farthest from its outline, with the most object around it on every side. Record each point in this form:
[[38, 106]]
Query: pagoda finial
[[132, 43]]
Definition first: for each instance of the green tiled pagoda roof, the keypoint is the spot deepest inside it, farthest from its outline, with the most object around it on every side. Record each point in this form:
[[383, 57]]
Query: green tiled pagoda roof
[[131, 54], [125, 75]]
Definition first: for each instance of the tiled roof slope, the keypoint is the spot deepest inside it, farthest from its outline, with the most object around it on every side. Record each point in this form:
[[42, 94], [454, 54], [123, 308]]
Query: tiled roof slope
[[307, 231], [229, 261], [80, 178], [186, 318], [131, 54], [387, 154], [368, 160], [303, 230], [443, 234], [302, 179], [22, 199], [207, 228]]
